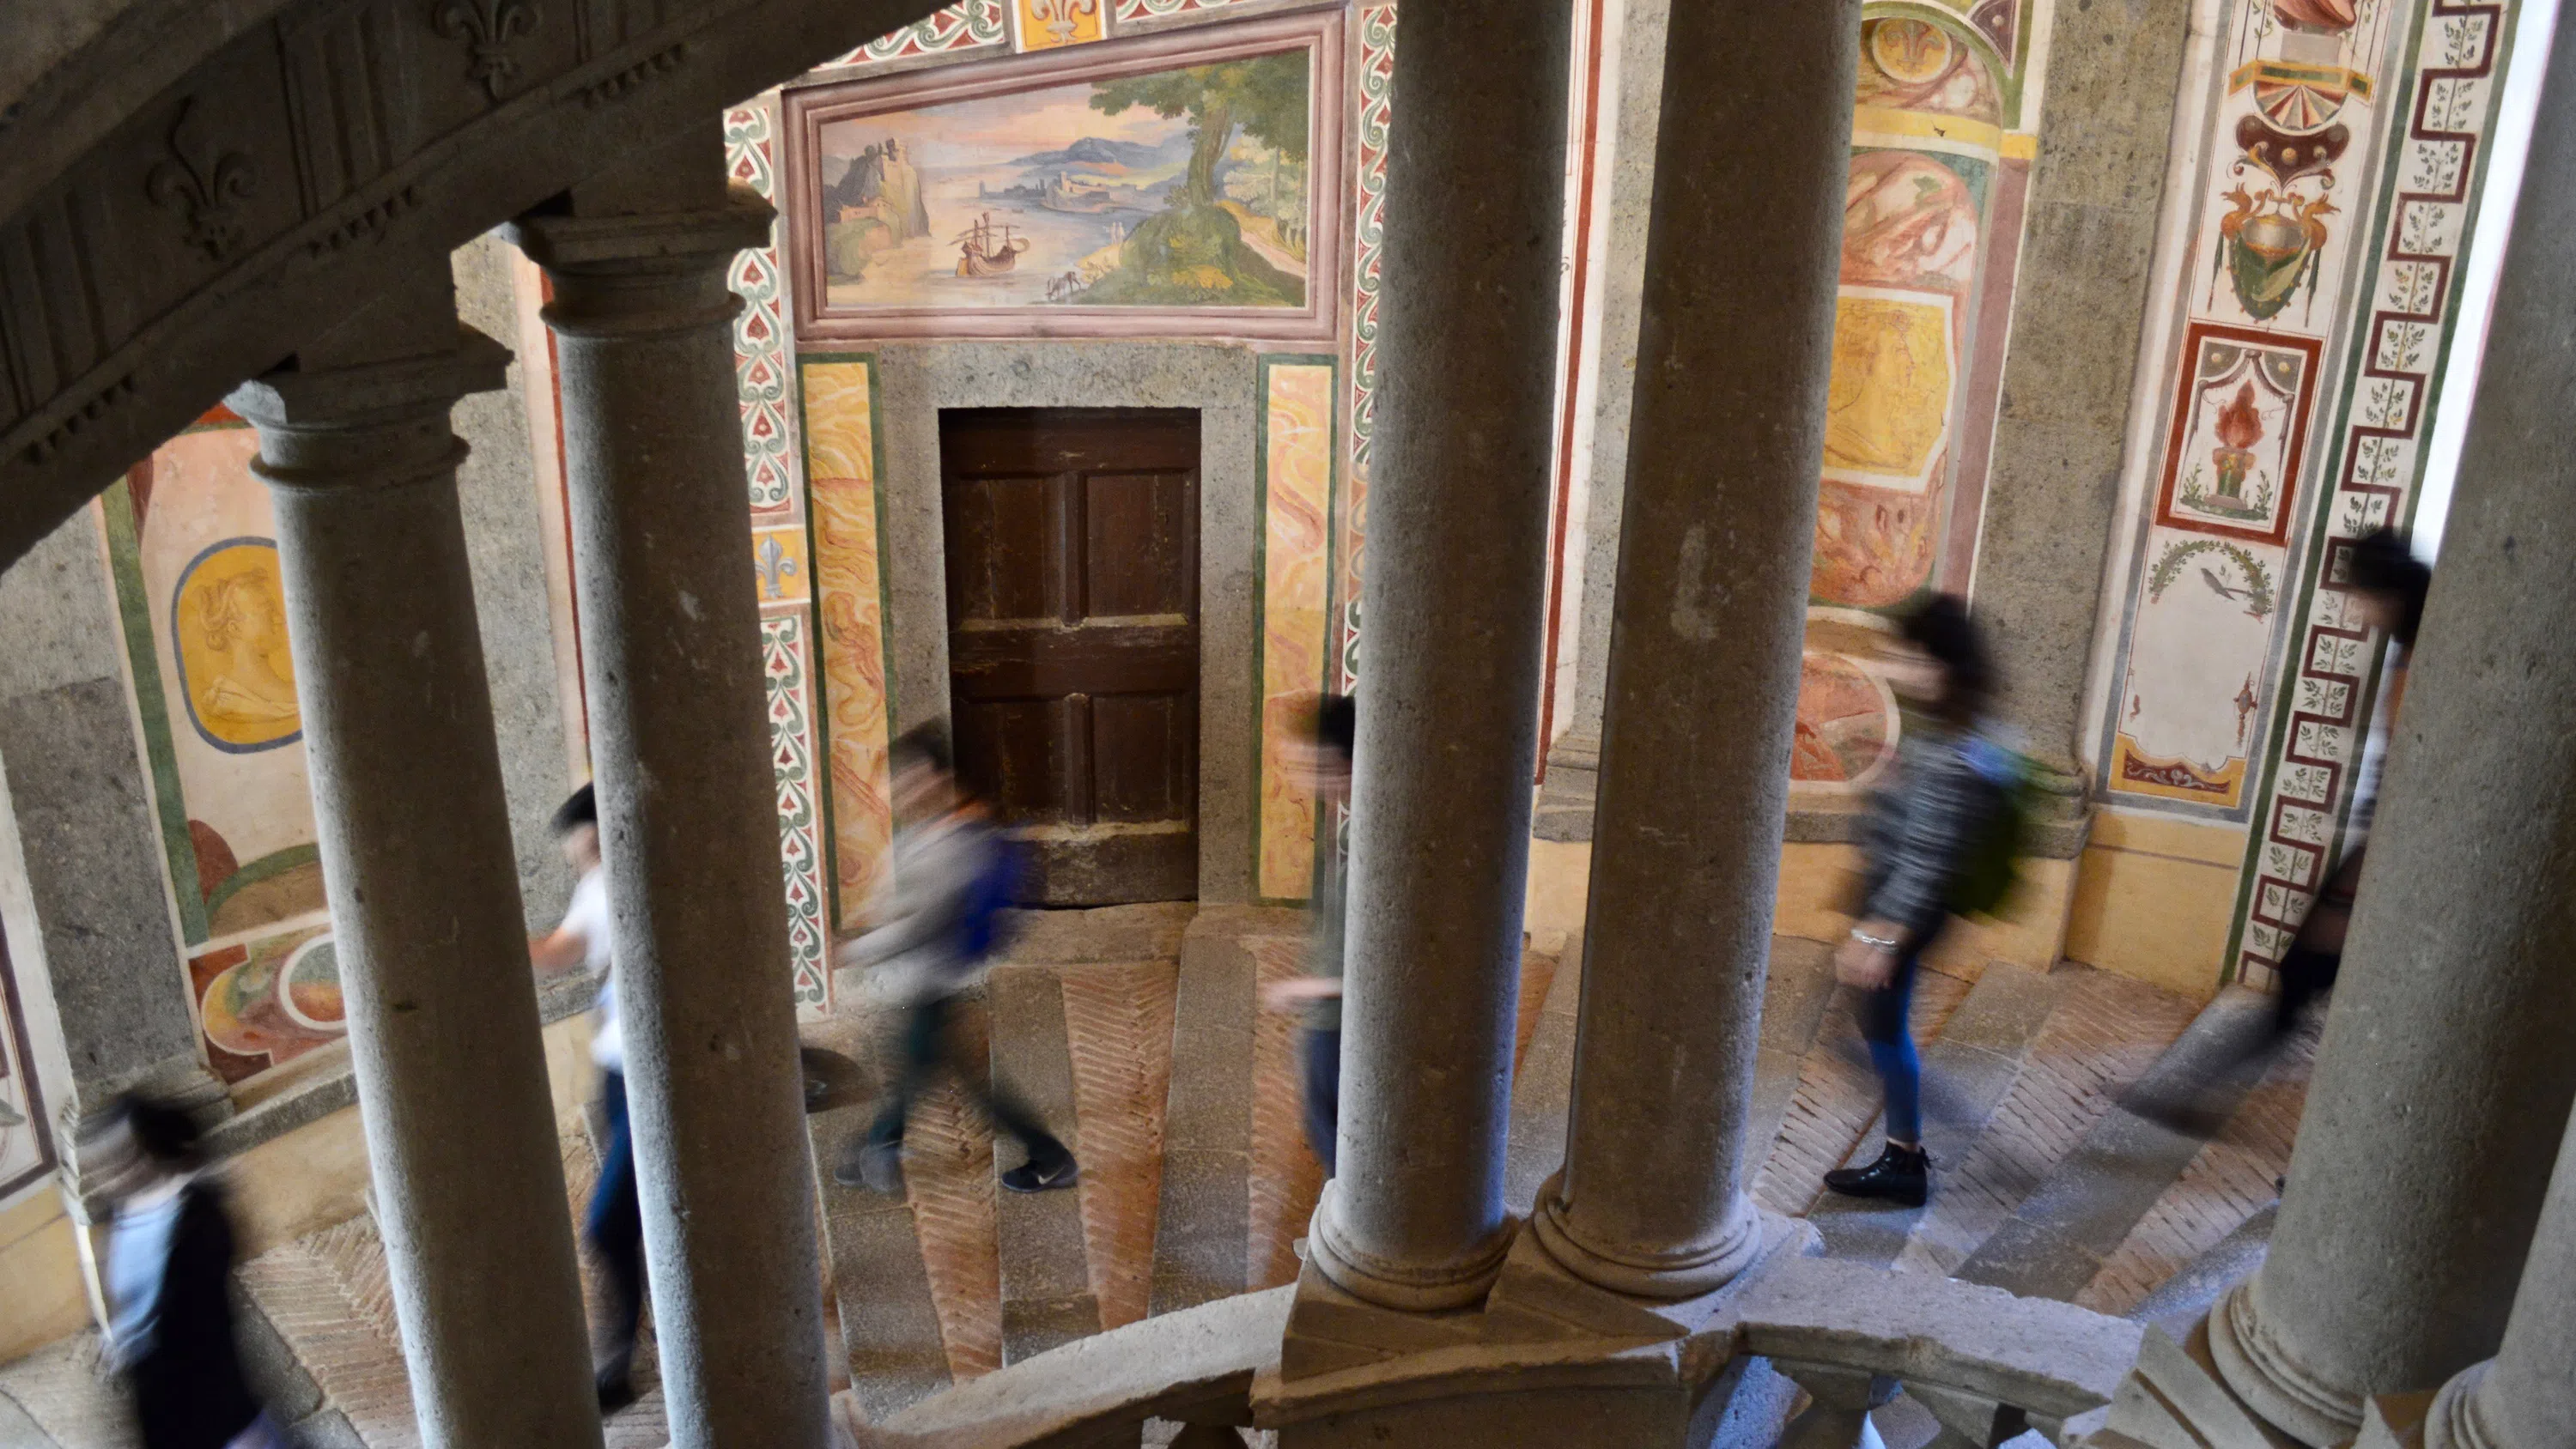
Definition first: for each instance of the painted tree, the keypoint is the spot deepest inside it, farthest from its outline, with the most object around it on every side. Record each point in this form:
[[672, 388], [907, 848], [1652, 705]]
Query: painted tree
[[1264, 97]]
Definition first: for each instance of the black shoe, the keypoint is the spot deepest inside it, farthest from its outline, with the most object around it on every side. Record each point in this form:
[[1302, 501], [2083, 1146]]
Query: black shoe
[[616, 1391], [1034, 1176], [1900, 1175]]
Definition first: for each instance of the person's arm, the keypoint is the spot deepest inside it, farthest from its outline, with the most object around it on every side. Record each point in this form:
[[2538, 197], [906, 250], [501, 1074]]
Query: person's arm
[[1297, 991], [560, 949], [1943, 803]]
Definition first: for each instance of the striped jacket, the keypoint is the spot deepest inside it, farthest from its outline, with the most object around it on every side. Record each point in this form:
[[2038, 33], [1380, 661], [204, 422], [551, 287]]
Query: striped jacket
[[1921, 828]]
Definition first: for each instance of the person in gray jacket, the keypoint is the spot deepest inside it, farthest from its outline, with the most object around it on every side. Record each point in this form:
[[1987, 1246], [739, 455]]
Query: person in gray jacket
[[931, 940], [1949, 778]]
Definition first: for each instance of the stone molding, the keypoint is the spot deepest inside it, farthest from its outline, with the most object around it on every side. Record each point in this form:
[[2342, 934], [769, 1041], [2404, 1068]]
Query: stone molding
[[1393, 1284], [1704, 1268]]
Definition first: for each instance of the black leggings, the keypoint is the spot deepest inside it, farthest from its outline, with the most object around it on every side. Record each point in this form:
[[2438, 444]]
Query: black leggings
[[928, 1046]]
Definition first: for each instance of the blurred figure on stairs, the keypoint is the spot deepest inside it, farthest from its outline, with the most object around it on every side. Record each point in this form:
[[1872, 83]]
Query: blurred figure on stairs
[[169, 1281], [1320, 762], [614, 1223], [1924, 831], [938, 916]]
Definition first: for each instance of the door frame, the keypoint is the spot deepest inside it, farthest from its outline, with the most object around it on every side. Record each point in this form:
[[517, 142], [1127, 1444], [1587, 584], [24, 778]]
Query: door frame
[[1221, 382]]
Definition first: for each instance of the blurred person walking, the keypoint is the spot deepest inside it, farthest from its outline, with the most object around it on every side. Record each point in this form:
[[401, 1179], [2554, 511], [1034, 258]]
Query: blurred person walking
[[1319, 761], [1927, 832], [613, 1226], [170, 1256], [937, 917]]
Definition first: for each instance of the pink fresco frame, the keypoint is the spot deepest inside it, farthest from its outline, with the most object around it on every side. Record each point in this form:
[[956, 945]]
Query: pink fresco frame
[[1319, 33]]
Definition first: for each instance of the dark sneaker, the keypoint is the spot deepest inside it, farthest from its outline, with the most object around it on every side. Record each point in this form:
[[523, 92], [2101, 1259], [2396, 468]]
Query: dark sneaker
[[1031, 1176], [1899, 1175], [616, 1391], [873, 1166]]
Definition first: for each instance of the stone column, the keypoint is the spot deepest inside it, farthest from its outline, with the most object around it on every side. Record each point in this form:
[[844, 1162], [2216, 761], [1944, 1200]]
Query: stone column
[[1724, 456], [1448, 706], [680, 751], [2446, 1067], [2525, 1397], [415, 839]]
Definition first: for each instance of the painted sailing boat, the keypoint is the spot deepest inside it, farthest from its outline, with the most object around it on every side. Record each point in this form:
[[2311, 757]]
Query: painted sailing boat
[[986, 250]]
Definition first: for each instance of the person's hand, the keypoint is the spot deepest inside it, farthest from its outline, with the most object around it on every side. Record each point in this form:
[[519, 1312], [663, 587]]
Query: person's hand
[[1864, 962], [1297, 991]]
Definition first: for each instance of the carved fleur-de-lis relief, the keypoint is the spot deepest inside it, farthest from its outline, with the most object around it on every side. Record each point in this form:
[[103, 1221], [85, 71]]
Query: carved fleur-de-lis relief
[[205, 185], [489, 28]]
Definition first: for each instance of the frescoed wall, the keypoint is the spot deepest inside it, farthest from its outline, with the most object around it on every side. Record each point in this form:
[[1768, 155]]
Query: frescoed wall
[[2341, 173], [1932, 217], [191, 542], [1297, 466]]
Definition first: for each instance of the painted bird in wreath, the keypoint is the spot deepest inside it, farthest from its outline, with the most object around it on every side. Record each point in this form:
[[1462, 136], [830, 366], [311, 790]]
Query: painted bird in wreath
[[2222, 587]]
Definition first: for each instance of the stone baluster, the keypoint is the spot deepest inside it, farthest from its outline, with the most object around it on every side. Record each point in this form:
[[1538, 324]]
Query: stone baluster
[[1704, 655], [680, 751], [415, 840], [2446, 1069], [1448, 705]]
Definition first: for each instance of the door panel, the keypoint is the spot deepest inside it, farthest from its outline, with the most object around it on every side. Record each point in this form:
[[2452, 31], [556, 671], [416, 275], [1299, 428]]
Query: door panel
[[1072, 540]]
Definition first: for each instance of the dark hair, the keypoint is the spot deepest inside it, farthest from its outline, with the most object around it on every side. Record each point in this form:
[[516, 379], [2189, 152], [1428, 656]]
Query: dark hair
[[1940, 626], [160, 1131], [923, 745], [1337, 724], [580, 808], [2382, 562]]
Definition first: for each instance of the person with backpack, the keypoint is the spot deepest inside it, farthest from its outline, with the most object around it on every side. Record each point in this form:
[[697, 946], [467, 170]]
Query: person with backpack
[[170, 1251], [1939, 841], [938, 917]]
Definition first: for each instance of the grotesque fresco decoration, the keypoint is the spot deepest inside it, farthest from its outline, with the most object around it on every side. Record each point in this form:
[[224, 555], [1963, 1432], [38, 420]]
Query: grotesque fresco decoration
[[1916, 214], [1151, 176], [2293, 130], [191, 542]]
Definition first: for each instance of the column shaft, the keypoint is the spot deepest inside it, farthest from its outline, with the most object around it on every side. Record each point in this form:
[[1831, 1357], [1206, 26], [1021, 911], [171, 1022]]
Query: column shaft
[[1448, 704], [1704, 651], [2518, 447], [414, 833], [680, 753], [2413, 1192]]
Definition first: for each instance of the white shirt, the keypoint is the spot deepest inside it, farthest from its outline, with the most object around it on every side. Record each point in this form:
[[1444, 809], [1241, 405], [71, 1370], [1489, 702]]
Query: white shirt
[[589, 917]]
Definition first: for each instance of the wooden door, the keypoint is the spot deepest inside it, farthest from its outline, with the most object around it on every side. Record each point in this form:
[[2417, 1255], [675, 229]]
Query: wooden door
[[1073, 640]]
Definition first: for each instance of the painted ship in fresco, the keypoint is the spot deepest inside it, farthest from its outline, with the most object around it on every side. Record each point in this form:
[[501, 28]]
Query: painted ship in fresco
[[986, 250]]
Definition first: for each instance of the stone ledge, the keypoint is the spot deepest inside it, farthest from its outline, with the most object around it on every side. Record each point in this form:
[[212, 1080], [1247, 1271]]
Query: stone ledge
[[1564, 814], [302, 1106]]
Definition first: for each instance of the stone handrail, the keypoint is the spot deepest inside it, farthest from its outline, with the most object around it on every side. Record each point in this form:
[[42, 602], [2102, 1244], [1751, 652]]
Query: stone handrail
[[1985, 1363]]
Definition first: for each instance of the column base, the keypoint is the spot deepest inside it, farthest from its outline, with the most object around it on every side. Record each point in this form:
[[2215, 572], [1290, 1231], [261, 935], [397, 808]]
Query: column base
[[1685, 1274], [2455, 1422], [2260, 1371], [1408, 1287]]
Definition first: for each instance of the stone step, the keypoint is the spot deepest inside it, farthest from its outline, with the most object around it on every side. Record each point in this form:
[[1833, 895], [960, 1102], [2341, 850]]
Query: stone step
[[1542, 1081], [1968, 1071], [2103, 1032], [2059, 1238], [1836, 1101], [1042, 1252]]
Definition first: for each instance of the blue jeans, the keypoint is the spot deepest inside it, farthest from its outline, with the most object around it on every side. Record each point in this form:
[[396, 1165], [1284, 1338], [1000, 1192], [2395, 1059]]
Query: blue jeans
[[1323, 1053], [614, 1227], [1882, 1015]]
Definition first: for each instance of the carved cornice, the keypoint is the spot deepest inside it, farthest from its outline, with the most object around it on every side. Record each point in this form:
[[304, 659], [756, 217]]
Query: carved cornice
[[205, 238]]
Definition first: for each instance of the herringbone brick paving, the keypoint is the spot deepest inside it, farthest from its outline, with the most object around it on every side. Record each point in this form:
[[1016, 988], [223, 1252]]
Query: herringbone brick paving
[[2231, 1178], [1838, 1097], [2105, 1032], [1118, 1018], [1286, 1178]]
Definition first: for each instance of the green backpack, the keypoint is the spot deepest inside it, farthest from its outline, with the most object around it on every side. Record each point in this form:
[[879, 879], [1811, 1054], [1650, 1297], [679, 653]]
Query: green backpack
[[1989, 870]]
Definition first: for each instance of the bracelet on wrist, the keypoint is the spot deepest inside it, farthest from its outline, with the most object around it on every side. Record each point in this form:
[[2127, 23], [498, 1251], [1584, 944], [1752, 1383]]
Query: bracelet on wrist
[[1882, 943]]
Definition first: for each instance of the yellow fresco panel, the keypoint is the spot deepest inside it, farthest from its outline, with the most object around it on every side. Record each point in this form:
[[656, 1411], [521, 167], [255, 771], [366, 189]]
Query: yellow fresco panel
[[840, 474], [779, 556], [1888, 406], [1296, 571], [230, 620]]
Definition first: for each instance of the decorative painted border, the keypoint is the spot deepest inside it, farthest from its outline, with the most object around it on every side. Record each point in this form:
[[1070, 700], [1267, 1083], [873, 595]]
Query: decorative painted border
[[1265, 550], [809, 109], [2322, 721], [787, 670], [1368, 275], [143, 671], [963, 26], [23, 1065], [2294, 464], [761, 375], [1157, 9]]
